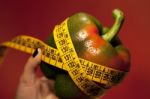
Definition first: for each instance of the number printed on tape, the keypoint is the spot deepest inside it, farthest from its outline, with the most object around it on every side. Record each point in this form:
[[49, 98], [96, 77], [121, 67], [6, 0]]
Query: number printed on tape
[[84, 73]]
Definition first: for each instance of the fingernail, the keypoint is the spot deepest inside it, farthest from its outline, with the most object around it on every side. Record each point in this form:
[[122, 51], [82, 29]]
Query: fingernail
[[35, 53]]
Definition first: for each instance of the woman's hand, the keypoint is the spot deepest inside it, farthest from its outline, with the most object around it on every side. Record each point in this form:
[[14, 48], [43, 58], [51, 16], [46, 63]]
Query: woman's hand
[[32, 87]]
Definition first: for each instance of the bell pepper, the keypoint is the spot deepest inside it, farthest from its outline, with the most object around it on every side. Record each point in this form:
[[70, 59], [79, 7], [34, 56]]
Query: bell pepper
[[92, 42]]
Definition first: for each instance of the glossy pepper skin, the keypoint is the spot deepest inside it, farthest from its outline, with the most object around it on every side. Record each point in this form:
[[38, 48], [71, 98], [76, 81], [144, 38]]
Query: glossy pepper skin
[[99, 48], [94, 43]]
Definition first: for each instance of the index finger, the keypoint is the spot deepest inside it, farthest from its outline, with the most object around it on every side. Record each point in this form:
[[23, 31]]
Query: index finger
[[29, 73]]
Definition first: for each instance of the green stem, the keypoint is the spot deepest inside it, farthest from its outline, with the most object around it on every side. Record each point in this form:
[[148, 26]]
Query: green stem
[[113, 32]]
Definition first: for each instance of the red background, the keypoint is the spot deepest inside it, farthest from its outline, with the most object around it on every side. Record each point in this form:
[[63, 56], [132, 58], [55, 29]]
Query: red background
[[38, 18]]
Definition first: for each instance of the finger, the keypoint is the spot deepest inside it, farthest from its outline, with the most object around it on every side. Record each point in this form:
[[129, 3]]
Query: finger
[[33, 61], [51, 96], [29, 73], [46, 88]]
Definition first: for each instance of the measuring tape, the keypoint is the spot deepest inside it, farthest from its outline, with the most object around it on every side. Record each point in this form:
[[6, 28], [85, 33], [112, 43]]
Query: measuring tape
[[86, 75]]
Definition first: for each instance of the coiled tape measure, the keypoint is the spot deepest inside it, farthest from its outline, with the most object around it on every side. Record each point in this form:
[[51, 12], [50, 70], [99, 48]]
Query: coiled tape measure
[[85, 74]]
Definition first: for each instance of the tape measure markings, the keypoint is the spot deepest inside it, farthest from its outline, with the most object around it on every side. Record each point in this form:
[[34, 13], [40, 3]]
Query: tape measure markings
[[35, 43], [71, 60], [83, 72]]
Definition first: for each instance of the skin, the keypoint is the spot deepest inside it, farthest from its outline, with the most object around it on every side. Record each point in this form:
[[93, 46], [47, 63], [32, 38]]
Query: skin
[[32, 87], [94, 43]]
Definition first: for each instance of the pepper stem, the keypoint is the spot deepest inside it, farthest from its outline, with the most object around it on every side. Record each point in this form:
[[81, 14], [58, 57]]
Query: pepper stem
[[112, 33]]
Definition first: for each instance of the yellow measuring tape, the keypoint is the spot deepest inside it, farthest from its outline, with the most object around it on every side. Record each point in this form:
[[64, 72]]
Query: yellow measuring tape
[[85, 74]]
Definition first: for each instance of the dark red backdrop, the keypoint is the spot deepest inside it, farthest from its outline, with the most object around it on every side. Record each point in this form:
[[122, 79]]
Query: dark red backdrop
[[38, 18]]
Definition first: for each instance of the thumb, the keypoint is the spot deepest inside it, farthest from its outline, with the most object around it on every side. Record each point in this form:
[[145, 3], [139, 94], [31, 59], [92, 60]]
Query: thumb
[[29, 73]]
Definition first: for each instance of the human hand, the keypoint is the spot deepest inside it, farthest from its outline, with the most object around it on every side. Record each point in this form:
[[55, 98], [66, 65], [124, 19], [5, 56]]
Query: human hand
[[32, 87]]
